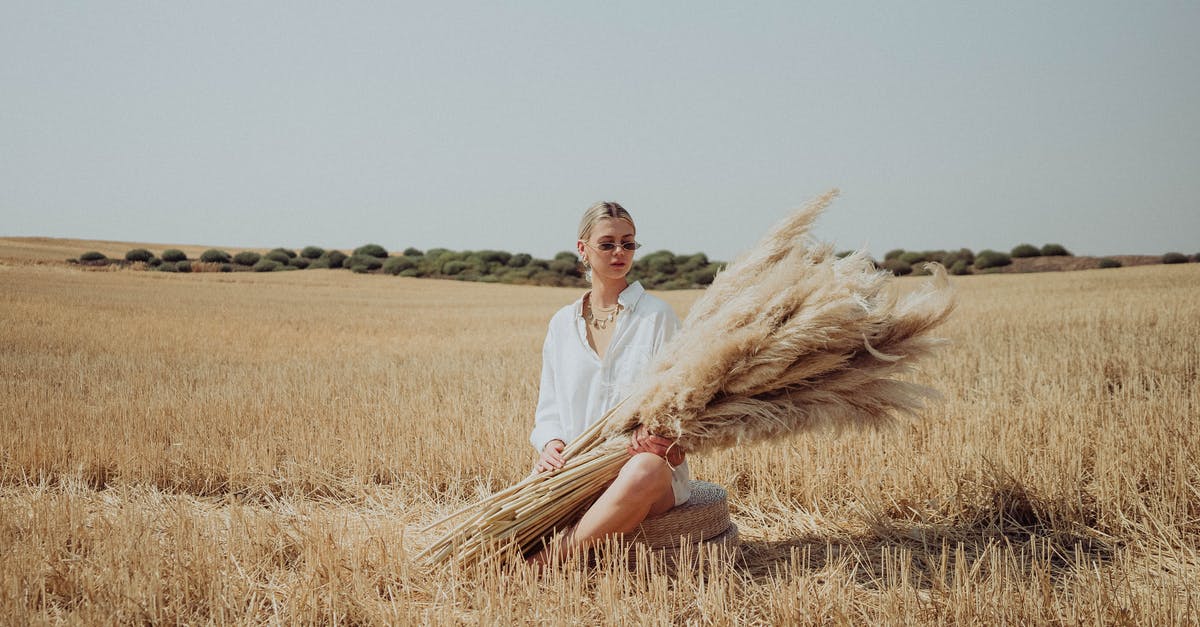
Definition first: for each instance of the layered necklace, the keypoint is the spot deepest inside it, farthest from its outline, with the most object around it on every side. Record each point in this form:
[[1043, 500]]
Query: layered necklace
[[600, 318]]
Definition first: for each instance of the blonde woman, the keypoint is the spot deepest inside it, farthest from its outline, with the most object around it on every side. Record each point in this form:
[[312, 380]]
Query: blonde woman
[[594, 350]]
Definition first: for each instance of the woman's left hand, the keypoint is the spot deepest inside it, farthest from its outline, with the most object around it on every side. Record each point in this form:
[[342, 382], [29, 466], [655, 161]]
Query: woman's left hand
[[643, 441]]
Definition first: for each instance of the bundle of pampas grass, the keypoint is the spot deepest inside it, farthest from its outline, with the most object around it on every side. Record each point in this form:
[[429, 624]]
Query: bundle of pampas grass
[[787, 339]]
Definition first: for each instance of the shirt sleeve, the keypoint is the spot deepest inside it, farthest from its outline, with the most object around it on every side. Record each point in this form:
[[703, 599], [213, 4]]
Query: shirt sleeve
[[547, 419]]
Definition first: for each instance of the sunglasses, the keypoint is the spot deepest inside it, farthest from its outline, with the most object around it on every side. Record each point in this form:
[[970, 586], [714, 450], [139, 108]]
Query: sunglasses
[[607, 247]]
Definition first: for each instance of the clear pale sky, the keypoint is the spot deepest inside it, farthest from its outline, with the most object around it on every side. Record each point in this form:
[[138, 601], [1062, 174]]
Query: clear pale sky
[[474, 126]]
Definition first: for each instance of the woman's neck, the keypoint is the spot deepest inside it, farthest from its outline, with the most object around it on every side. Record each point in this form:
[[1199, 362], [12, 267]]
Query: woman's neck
[[605, 292]]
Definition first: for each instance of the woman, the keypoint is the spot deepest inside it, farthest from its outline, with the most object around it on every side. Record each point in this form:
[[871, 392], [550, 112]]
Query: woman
[[594, 350]]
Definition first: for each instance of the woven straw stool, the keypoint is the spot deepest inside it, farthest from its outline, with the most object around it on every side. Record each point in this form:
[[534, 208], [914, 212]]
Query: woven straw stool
[[702, 521]]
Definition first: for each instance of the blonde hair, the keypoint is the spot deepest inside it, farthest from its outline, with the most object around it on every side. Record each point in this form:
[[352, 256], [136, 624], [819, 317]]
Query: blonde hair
[[600, 211]]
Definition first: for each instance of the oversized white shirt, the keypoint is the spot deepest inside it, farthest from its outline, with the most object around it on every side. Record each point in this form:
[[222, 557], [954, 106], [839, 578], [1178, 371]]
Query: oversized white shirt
[[578, 387]]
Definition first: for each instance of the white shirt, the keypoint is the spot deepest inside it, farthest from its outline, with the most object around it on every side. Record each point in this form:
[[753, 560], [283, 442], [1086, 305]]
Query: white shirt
[[578, 387]]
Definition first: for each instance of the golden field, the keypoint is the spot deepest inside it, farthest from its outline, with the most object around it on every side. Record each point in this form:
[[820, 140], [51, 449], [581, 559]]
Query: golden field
[[261, 448]]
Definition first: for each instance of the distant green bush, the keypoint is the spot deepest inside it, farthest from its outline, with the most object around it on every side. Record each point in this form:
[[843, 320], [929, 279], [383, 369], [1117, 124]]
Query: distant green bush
[[278, 256], [226, 267], [470, 274], [912, 257], [312, 252], [413, 252], [1055, 250], [519, 260], [893, 254], [960, 268], [166, 266], [1026, 250], [174, 254], [139, 254], [705, 275], [371, 250], [566, 267], [412, 272], [691, 263], [93, 255], [494, 256], [546, 277], [337, 258], [362, 263], [659, 262], [246, 258], [478, 264], [1196, 257], [991, 259], [184, 266], [289, 253], [320, 263], [1109, 262], [299, 263], [1167, 258], [954, 256], [154, 262], [212, 255], [266, 265], [935, 256], [452, 268], [897, 267], [396, 265], [675, 284], [518, 275]]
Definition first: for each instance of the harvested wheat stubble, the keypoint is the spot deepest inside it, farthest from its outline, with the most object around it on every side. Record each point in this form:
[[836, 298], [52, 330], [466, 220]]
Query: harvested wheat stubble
[[788, 339]]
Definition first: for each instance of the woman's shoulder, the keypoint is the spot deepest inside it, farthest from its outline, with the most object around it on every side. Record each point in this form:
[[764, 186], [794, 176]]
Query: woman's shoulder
[[651, 305], [565, 316]]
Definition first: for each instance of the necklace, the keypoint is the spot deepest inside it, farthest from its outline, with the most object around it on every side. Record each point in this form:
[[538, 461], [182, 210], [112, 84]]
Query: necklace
[[598, 318]]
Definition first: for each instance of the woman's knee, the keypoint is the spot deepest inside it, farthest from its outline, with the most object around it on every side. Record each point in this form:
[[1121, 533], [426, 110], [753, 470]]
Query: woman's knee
[[646, 470]]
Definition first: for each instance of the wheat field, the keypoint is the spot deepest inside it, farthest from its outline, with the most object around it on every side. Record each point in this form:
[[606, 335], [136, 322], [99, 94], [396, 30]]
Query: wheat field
[[265, 448]]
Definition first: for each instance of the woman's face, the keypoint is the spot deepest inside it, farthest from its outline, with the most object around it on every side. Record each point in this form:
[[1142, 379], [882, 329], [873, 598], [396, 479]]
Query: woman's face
[[613, 264]]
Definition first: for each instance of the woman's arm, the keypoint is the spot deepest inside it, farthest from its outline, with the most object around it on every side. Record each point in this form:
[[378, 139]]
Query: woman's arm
[[547, 419]]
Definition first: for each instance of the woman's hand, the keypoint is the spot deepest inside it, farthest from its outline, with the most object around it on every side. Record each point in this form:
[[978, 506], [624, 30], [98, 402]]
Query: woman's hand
[[551, 457], [643, 442]]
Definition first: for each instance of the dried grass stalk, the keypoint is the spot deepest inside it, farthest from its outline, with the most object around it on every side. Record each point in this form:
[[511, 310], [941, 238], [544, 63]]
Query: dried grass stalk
[[789, 338]]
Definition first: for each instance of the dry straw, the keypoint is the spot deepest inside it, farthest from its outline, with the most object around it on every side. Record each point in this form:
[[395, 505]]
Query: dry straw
[[788, 339]]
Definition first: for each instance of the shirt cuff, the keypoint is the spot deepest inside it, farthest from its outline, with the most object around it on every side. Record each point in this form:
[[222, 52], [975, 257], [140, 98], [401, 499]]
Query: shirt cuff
[[540, 440]]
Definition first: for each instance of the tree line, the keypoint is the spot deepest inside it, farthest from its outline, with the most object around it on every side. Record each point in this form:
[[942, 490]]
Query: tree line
[[661, 269]]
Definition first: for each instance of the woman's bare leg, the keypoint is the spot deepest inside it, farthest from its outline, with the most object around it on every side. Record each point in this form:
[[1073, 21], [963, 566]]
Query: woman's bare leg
[[642, 488]]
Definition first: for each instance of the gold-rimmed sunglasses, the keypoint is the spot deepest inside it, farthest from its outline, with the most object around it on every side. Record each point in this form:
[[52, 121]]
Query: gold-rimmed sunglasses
[[608, 247]]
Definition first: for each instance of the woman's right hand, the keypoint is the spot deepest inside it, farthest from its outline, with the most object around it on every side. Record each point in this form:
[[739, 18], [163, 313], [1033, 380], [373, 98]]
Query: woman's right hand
[[551, 457]]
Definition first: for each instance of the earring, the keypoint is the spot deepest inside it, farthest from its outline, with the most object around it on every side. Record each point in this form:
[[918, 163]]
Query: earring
[[586, 265]]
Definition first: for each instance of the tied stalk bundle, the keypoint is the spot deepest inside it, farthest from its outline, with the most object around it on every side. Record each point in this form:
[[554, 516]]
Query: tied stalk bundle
[[788, 339]]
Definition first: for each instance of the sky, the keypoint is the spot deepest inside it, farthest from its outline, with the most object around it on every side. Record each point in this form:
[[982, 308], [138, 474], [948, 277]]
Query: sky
[[494, 125]]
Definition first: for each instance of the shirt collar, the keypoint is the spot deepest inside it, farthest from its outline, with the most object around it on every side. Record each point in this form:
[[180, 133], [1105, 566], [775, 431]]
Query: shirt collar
[[628, 298]]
